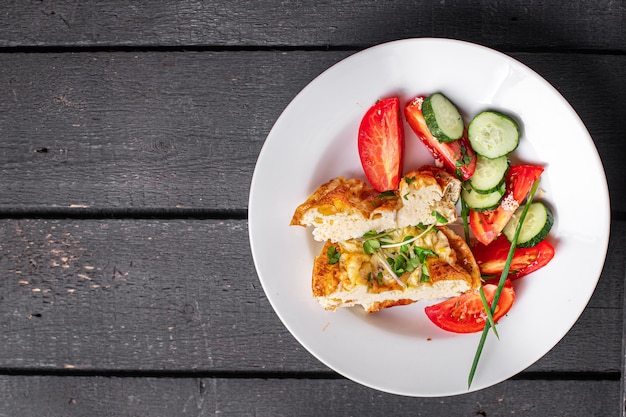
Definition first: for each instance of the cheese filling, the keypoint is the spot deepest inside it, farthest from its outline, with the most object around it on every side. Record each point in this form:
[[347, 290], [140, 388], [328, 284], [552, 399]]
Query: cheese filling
[[367, 279]]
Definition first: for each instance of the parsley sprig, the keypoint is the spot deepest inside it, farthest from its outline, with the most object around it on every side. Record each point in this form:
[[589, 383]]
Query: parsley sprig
[[333, 255]]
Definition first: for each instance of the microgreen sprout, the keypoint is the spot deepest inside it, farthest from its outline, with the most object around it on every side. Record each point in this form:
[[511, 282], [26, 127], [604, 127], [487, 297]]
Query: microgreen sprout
[[404, 256], [408, 239], [388, 268], [440, 217]]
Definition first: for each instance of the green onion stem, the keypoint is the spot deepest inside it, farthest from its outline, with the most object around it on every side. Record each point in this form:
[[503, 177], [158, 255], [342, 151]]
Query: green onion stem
[[503, 277], [488, 311], [507, 265]]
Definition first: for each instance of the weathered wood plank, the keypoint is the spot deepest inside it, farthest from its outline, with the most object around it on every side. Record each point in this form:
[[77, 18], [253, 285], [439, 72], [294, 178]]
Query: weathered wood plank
[[523, 24], [99, 295], [99, 396], [140, 130], [182, 130], [623, 378]]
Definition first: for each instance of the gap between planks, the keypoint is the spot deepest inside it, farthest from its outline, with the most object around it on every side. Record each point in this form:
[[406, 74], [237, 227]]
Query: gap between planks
[[69, 371], [123, 213]]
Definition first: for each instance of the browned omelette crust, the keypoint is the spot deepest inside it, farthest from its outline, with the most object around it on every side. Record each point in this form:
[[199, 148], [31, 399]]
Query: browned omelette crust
[[442, 177], [327, 277], [341, 195], [465, 258]]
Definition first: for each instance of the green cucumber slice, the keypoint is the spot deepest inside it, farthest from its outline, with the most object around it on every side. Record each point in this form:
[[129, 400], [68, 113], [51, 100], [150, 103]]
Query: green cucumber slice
[[442, 118], [489, 174], [493, 134], [537, 225], [481, 202]]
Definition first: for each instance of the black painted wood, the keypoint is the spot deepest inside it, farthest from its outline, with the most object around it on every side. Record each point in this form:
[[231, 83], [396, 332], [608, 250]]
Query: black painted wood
[[128, 137], [117, 295], [166, 131], [584, 24], [34, 396]]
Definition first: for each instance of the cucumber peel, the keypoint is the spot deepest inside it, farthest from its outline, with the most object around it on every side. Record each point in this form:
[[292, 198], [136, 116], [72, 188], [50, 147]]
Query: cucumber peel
[[489, 174], [442, 118], [537, 224]]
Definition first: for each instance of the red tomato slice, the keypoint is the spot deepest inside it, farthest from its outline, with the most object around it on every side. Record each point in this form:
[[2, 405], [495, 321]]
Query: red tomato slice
[[466, 314], [458, 157], [381, 144], [488, 225], [491, 259]]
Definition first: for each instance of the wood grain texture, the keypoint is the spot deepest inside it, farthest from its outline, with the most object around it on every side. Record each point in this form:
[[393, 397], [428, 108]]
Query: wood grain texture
[[157, 131], [129, 133], [117, 295], [509, 25], [28, 396]]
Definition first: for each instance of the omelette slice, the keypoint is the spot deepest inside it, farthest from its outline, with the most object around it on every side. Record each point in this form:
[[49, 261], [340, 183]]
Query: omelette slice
[[345, 209], [344, 275]]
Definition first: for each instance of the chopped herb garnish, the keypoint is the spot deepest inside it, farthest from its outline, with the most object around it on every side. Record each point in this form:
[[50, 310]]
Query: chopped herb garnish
[[487, 277], [423, 253], [386, 194], [463, 159], [425, 274], [382, 196], [440, 217], [409, 180], [333, 255]]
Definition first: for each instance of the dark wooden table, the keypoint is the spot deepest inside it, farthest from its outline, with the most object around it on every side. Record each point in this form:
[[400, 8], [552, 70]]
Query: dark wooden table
[[129, 133]]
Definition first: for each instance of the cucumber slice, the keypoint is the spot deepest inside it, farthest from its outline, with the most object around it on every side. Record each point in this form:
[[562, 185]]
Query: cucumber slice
[[537, 225], [489, 174], [493, 134], [442, 118], [481, 202]]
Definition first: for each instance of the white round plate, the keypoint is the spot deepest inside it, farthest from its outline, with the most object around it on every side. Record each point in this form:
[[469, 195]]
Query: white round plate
[[399, 350]]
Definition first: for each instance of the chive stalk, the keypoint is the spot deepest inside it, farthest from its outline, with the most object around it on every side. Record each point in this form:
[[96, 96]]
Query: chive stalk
[[503, 277], [488, 311]]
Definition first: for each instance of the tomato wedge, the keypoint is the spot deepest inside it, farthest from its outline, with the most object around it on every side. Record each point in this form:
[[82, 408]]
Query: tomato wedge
[[491, 259], [381, 144], [458, 157], [487, 225], [466, 314]]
